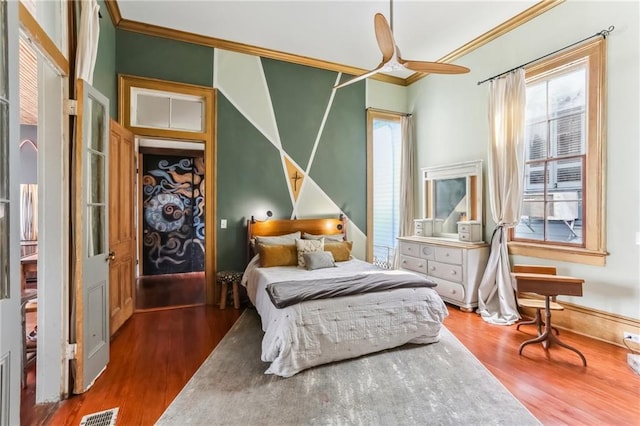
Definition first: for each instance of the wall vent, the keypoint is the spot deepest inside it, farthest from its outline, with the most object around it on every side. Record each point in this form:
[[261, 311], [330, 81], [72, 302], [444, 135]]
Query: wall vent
[[102, 418]]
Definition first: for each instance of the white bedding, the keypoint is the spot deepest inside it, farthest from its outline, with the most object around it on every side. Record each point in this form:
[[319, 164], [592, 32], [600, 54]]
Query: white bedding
[[321, 331]]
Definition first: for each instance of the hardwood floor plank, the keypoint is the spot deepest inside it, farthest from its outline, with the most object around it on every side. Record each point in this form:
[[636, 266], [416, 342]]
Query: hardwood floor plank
[[155, 354]]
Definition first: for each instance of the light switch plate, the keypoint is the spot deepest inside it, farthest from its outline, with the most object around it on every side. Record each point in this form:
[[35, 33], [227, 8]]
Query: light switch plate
[[223, 223]]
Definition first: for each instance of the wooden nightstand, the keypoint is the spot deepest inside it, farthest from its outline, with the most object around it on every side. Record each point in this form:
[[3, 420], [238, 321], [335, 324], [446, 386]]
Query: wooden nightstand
[[224, 278]]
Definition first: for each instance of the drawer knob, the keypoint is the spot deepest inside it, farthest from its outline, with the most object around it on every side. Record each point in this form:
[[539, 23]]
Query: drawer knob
[[404, 261], [447, 254], [408, 248], [420, 265], [453, 292], [433, 268], [453, 272]]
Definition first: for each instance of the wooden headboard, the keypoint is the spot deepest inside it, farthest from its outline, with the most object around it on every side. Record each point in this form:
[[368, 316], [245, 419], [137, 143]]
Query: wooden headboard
[[268, 228]]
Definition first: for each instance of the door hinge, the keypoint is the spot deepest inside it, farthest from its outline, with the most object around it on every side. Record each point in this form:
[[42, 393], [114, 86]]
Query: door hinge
[[70, 107], [70, 351]]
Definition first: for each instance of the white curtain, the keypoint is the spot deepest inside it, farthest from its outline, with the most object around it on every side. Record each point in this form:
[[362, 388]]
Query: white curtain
[[407, 173], [507, 102], [28, 212], [88, 34]]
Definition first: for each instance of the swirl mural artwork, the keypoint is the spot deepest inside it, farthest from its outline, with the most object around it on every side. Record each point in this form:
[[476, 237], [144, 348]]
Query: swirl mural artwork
[[173, 212]]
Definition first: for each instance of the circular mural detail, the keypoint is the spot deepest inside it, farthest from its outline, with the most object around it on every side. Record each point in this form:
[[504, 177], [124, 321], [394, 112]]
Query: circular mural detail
[[165, 213]]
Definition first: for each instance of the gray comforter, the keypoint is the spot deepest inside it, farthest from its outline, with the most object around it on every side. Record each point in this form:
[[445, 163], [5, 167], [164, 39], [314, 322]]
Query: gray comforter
[[285, 293]]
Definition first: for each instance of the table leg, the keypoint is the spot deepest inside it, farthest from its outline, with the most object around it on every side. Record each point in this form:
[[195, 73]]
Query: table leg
[[547, 337], [223, 295]]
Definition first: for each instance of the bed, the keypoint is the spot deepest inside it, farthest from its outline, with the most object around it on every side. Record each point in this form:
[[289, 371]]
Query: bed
[[322, 330]]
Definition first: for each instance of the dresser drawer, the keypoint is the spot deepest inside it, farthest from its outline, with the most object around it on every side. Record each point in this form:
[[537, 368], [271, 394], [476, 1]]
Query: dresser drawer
[[464, 236], [413, 264], [445, 271], [427, 252], [450, 290], [449, 255], [409, 249]]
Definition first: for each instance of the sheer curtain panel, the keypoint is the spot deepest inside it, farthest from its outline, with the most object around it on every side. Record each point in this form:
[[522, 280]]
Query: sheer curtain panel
[[507, 102], [407, 174], [88, 35]]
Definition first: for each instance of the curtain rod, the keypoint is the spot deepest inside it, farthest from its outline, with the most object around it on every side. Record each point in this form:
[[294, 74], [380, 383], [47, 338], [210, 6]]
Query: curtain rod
[[603, 34]]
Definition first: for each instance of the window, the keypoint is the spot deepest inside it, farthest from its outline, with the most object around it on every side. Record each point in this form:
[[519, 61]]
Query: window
[[563, 198], [385, 141]]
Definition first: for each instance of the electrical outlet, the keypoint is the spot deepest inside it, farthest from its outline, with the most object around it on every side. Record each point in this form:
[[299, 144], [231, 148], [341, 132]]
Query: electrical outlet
[[630, 336]]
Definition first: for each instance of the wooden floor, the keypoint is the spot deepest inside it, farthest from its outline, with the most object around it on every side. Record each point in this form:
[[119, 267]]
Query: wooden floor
[[170, 290], [155, 353]]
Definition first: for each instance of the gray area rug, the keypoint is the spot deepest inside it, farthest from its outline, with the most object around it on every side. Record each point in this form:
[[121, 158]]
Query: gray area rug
[[439, 384]]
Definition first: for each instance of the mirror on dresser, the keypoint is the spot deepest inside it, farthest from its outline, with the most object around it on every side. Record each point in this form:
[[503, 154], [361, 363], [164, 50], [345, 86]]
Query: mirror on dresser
[[452, 202]]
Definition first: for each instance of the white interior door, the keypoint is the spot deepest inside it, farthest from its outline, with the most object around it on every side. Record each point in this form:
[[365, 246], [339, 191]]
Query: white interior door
[[91, 240], [10, 335]]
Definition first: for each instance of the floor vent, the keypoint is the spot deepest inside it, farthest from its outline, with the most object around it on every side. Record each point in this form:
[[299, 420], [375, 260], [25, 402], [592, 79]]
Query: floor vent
[[103, 418]]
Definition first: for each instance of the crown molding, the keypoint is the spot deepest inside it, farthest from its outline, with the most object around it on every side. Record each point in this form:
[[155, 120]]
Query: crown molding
[[114, 11], [158, 31]]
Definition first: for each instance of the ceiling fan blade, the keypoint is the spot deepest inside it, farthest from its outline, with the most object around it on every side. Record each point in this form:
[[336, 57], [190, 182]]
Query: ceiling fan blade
[[360, 77], [384, 37], [433, 67]]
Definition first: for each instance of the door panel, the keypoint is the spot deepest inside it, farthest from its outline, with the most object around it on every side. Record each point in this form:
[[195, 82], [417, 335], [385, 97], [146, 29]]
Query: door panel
[[121, 225], [91, 266]]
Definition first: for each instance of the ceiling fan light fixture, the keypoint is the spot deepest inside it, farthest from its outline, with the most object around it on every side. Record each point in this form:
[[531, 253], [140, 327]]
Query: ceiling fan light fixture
[[392, 61]]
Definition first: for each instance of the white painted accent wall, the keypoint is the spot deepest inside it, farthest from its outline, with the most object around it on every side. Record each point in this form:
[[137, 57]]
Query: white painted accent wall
[[451, 126]]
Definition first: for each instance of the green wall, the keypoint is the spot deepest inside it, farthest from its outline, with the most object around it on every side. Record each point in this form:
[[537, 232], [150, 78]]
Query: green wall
[[251, 176], [164, 59]]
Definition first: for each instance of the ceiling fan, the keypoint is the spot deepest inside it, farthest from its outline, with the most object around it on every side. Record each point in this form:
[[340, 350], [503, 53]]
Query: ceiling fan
[[393, 61]]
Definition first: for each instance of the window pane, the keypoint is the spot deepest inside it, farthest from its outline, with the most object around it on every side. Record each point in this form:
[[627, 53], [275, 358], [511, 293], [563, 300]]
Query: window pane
[[4, 250], [3, 50], [95, 172], [536, 141], [187, 115], [386, 188], [567, 93], [531, 226], [536, 102], [96, 136], [568, 134], [152, 111], [95, 230]]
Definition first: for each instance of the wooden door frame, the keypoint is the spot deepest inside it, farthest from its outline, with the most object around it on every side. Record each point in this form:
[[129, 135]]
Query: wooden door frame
[[209, 137]]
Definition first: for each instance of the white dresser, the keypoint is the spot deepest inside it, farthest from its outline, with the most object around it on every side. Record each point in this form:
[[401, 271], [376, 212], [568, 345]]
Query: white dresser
[[456, 266]]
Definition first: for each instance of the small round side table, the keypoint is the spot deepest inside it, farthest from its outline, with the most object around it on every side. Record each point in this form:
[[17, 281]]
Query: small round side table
[[224, 278]]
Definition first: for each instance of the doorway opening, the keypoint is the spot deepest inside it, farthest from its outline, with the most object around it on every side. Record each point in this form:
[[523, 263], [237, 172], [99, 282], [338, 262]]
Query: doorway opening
[[172, 226]]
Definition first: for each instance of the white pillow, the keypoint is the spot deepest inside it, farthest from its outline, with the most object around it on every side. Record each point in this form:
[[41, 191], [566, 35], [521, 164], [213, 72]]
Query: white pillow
[[279, 239], [308, 246], [332, 237]]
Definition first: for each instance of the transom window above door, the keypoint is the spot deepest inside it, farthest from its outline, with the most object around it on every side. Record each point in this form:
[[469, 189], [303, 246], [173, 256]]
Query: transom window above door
[[167, 110]]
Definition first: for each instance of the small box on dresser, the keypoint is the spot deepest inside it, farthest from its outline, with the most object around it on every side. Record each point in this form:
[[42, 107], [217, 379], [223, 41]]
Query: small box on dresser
[[423, 227], [456, 266], [470, 231]]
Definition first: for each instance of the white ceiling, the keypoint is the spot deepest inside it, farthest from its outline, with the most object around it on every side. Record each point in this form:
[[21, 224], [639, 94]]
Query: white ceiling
[[335, 31]]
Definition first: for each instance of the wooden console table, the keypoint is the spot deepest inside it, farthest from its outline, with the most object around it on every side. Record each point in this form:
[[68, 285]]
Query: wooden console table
[[549, 286]]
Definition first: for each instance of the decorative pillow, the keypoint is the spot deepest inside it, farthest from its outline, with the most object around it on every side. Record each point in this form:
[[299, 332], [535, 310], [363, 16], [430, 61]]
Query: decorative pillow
[[332, 237], [341, 250], [308, 246], [277, 255], [318, 260], [279, 240]]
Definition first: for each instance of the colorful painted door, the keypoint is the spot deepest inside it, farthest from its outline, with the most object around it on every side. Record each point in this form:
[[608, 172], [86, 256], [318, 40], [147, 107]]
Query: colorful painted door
[[173, 214]]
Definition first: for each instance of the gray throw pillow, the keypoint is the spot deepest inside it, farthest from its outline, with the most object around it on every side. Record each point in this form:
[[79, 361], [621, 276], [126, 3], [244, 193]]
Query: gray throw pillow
[[318, 260]]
